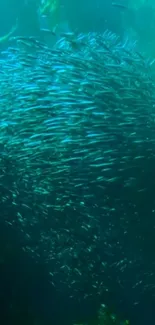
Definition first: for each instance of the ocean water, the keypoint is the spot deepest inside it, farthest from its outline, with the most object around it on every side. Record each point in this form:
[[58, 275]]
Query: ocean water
[[77, 205]]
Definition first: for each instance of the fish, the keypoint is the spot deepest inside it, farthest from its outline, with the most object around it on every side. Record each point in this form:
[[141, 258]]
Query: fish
[[9, 34], [48, 31], [77, 128], [119, 5]]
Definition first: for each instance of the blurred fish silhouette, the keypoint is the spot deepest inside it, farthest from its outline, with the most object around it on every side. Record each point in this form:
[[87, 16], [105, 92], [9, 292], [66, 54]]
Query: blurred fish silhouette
[[7, 36], [119, 5]]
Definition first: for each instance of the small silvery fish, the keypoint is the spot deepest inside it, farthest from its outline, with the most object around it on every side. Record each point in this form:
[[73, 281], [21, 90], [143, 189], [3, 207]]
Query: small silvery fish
[[77, 127]]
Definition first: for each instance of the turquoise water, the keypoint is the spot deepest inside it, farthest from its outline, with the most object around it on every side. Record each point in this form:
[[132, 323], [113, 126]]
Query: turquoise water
[[36, 225]]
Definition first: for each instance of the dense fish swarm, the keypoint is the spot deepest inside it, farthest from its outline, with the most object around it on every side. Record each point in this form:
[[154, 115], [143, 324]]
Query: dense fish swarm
[[75, 121]]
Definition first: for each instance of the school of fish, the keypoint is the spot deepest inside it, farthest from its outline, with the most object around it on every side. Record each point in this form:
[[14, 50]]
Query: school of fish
[[76, 123]]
